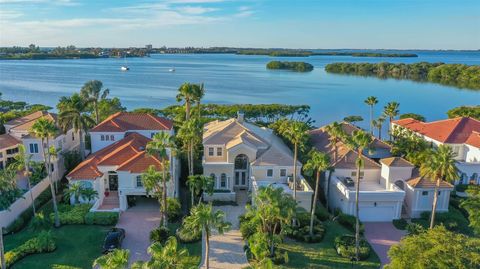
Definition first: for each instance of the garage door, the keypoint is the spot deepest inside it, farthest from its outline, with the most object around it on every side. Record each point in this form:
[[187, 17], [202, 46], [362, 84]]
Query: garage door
[[377, 213]]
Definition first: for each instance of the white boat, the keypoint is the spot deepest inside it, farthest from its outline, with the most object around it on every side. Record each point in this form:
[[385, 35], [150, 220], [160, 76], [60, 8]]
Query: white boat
[[171, 70], [124, 68]]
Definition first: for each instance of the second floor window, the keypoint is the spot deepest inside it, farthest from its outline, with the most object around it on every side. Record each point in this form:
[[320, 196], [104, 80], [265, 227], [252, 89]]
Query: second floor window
[[269, 172], [112, 138], [107, 138], [283, 172], [354, 174], [33, 148], [210, 151], [102, 138], [219, 151], [139, 182]]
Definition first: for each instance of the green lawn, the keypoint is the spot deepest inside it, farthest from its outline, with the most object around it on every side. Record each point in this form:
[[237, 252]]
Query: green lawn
[[323, 254], [77, 247], [194, 249]]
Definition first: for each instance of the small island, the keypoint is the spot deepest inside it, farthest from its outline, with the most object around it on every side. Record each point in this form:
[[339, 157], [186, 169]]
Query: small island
[[457, 75], [293, 66]]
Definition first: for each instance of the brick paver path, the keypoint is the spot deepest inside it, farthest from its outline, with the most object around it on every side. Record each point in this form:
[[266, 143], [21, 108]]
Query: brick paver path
[[226, 251], [382, 235]]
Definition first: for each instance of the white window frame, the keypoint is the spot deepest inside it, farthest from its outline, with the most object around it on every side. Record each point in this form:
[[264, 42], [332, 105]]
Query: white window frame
[[219, 151], [283, 174], [137, 181], [102, 137], [270, 170], [211, 151]]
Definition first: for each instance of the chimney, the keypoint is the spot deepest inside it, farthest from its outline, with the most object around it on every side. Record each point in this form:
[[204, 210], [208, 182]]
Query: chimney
[[240, 116]]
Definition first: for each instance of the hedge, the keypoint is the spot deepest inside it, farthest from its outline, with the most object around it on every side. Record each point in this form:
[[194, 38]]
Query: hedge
[[43, 242], [345, 246], [453, 220], [400, 224], [101, 218], [174, 209], [160, 235], [349, 222], [71, 214]]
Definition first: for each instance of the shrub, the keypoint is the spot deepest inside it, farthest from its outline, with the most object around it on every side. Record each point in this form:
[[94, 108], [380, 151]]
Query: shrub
[[40, 222], [414, 229], [71, 214], [345, 246], [187, 237], [224, 203], [221, 191], [248, 226], [160, 234], [101, 218], [348, 222], [321, 212], [26, 215], [174, 209], [280, 257], [303, 234], [453, 220], [303, 218], [461, 187], [43, 242], [400, 224]]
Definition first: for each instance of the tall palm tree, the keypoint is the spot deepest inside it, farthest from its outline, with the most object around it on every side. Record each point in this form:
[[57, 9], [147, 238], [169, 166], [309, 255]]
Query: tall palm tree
[[159, 147], [167, 256], [72, 114], [46, 129], [318, 163], [198, 184], [152, 181], [23, 160], [92, 93], [371, 101], [378, 123], [335, 133], [440, 167], [203, 218], [74, 191], [199, 92], [117, 259], [186, 93], [296, 133], [190, 133], [391, 110], [359, 141]]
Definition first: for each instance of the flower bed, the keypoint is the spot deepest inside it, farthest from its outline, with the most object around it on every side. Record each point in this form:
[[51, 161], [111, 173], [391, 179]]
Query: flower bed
[[43, 242]]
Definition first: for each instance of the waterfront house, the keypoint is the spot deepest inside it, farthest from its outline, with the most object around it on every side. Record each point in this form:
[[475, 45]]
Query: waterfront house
[[242, 156], [8, 149], [462, 134], [390, 187], [114, 169]]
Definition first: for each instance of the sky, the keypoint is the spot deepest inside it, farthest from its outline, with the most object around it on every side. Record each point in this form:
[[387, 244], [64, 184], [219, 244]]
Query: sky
[[323, 24]]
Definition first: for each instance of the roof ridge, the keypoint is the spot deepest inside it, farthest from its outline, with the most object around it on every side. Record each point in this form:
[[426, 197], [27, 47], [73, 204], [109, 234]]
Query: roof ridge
[[156, 119]]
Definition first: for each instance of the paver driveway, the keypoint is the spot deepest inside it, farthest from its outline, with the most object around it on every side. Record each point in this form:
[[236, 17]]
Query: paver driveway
[[382, 235], [138, 221]]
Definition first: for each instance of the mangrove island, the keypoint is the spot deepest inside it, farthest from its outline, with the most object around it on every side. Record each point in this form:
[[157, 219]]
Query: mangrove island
[[293, 66]]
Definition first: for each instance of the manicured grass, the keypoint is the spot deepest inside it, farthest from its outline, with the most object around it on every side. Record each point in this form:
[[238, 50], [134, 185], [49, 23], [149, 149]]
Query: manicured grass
[[323, 254], [194, 249], [77, 247]]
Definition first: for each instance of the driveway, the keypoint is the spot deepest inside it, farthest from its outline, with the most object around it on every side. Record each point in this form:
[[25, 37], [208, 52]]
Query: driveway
[[226, 251], [138, 221], [382, 235]]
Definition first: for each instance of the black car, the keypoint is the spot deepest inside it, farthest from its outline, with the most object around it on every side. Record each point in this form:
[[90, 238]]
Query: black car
[[113, 239]]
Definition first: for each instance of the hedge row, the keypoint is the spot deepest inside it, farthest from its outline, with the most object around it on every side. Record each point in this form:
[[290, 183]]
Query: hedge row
[[26, 215], [43, 242], [80, 214], [345, 246]]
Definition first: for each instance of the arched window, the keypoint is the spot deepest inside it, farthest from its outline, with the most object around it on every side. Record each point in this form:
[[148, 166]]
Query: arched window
[[112, 138], [463, 178], [107, 137], [102, 138], [474, 177], [212, 175], [223, 180], [241, 162]]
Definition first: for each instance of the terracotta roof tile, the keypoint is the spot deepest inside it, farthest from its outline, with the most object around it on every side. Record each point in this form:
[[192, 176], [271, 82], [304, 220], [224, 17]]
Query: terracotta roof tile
[[474, 139], [7, 141], [455, 131], [124, 121], [396, 162], [24, 124]]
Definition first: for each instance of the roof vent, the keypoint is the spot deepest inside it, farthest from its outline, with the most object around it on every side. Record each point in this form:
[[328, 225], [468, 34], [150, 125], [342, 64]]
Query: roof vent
[[240, 116]]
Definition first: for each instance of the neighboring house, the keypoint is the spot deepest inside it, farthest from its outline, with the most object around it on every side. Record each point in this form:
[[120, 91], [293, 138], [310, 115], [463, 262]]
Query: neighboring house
[[20, 128], [115, 169], [462, 134], [242, 156], [8, 149], [389, 186]]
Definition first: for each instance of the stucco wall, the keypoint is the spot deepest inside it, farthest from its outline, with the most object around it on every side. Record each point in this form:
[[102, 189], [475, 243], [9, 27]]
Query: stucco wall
[[260, 172], [214, 158], [241, 149], [369, 174], [421, 203]]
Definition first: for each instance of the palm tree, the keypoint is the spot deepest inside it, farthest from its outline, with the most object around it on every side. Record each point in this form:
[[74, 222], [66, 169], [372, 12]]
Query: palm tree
[[75, 191], [335, 133], [359, 141], [391, 111], [440, 167], [159, 146], [199, 92], [371, 101], [203, 218], [186, 92], [167, 256], [318, 162], [199, 184], [152, 181], [296, 133], [91, 92], [46, 129], [88, 194], [378, 123], [117, 259], [72, 114], [23, 160], [190, 134]]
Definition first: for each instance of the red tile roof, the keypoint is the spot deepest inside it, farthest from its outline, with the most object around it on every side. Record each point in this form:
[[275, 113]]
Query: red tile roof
[[25, 123], [124, 121], [474, 139], [7, 141], [455, 131], [127, 154]]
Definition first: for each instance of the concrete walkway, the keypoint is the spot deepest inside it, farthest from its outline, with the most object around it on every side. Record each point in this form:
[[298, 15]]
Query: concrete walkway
[[226, 251], [382, 235], [138, 221]]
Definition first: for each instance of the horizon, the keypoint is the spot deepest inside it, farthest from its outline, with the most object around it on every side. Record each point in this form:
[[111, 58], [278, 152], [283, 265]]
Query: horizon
[[347, 24]]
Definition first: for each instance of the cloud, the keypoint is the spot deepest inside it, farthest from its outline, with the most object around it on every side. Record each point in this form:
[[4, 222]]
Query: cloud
[[196, 9], [9, 14], [244, 11]]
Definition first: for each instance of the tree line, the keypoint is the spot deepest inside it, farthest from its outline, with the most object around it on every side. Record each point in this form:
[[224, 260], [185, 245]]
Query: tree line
[[458, 75], [293, 66]]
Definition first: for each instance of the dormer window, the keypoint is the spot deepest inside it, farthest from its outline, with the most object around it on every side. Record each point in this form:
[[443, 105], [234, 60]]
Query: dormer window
[[210, 151], [219, 151], [102, 138]]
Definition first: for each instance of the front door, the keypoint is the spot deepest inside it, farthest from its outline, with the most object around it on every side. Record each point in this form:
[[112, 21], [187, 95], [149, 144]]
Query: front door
[[241, 178], [113, 182]]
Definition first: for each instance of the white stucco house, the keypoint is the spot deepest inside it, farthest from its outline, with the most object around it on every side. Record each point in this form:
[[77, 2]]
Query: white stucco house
[[242, 156], [462, 134], [114, 168], [20, 129], [390, 187]]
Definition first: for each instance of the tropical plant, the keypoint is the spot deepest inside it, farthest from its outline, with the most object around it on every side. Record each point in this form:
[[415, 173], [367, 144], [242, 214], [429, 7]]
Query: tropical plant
[[161, 145], [8, 187], [166, 256], [73, 114], [117, 259], [353, 119], [335, 133], [187, 93], [199, 92], [359, 141], [378, 123], [190, 134], [88, 194], [439, 167], [22, 162], [92, 93], [472, 205], [203, 218], [317, 163], [46, 129], [74, 191], [152, 181], [391, 110], [371, 101], [199, 184]]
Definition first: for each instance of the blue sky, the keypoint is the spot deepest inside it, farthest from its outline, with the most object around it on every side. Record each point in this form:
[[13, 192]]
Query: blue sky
[[396, 24]]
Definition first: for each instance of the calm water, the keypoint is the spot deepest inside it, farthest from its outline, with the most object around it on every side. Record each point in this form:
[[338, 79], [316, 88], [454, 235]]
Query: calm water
[[238, 79]]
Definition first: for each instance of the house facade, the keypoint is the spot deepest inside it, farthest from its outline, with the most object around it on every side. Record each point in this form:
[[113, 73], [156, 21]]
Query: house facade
[[242, 156], [462, 134], [20, 129], [115, 167], [8, 149], [389, 187]]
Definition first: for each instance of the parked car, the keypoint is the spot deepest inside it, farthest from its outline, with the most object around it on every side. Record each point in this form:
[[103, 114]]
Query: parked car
[[113, 239]]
